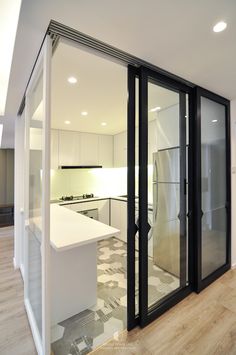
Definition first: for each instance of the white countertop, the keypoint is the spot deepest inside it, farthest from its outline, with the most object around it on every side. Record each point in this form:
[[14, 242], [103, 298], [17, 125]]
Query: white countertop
[[57, 201], [69, 229]]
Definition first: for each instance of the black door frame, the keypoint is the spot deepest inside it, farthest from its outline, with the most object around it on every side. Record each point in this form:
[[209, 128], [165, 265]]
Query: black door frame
[[200, 283], [144, 317]]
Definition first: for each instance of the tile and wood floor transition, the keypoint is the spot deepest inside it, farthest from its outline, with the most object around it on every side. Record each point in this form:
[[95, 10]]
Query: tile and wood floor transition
[[201, 324]]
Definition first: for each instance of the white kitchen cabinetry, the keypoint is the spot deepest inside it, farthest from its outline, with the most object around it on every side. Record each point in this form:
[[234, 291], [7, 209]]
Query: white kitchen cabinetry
[[104, 211], [89, 149], [119, 217], [120, 149], [101, 205], [105, 151], [54, 149], [69, 148], [78, 148]]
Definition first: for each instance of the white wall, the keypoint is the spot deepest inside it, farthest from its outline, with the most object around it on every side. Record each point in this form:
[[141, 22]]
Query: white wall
[[233, 181]]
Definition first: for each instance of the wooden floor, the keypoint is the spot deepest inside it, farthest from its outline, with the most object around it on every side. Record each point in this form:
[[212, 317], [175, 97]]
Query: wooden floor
[[15, 334], [203, 324]]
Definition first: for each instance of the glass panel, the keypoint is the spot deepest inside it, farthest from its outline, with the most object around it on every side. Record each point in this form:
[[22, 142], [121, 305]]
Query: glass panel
[[164, 245], [89, 303], [35, 102], [213, 180]]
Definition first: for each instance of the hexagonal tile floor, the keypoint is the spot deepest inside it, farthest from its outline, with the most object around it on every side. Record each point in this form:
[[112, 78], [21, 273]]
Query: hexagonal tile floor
[[85, 331]]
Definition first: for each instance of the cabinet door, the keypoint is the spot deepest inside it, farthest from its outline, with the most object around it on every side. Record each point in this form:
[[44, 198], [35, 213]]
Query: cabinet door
[[103, 211], [54, 149], [120, 149], [82, 206], [123, 220], [69, 148], [88, 149], [106, 151], [115, 214]]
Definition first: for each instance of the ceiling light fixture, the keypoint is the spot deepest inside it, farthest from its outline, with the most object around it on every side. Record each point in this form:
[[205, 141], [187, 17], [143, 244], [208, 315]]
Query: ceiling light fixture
[[1, 129], [155, 109], [72, 80], [103, 123], [220, 26], [8, 25], [84, 113], [214, 121], [67, 122]]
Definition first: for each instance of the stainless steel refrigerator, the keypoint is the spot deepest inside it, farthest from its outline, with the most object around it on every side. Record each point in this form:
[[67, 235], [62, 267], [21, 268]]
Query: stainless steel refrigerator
[[166, 205]]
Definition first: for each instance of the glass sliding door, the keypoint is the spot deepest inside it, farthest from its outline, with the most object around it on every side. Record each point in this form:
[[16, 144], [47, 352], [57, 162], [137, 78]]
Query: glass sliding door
[[214, 203], [37, 200], [163, 195]]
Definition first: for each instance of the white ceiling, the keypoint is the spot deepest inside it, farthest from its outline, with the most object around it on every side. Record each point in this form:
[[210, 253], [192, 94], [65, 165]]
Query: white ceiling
[[101, 90], [174, 35]]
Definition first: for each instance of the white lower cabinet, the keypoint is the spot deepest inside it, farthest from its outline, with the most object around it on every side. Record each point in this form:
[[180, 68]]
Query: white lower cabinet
[[119, 217], [101, 205], [103, 211]]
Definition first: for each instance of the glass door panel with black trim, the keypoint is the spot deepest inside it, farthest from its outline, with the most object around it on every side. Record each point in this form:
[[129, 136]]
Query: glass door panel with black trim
[[163, 201], [213, 187], [165, 217]]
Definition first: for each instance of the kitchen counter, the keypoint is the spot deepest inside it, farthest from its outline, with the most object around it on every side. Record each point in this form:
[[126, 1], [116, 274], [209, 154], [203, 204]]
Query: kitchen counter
[[69, 229], [73, 260], [61, 203]]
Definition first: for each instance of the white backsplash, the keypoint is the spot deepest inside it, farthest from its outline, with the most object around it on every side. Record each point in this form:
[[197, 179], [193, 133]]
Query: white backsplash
[[101, 182]]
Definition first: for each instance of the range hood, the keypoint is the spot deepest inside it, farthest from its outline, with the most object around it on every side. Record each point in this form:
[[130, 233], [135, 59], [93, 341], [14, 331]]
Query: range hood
[[80, 166]]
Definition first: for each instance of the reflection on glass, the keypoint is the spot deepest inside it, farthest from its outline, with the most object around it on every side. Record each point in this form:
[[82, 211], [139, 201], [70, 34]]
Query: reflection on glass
[[164, 274], [213, 180], [35, 202]]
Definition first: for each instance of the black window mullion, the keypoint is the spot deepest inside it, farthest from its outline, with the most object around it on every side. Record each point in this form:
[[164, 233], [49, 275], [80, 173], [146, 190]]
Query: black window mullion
[[143, 193]]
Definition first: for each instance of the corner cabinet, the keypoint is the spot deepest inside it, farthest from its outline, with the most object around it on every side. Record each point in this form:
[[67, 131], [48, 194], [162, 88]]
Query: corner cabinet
[[78, 148]]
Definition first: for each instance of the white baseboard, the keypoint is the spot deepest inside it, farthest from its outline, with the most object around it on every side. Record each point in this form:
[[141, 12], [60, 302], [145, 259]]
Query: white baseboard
[[233, 266], [34, 328]]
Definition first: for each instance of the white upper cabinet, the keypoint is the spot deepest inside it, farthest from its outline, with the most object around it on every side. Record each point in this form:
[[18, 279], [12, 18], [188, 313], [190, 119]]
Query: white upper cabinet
[[89, 145], [69, 148], [78, 148], [120, 149], [105, 151], [54, 149]]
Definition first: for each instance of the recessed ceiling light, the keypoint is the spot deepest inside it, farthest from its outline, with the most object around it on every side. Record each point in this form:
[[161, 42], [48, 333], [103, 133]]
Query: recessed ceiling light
[[214, 120], [72, 80], [84, 113], [103, 123], [154, 109], [67, 122], [220, 26]]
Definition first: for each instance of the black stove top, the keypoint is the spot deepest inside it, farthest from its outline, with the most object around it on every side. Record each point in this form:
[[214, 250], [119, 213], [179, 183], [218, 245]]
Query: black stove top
[[74, 198]]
